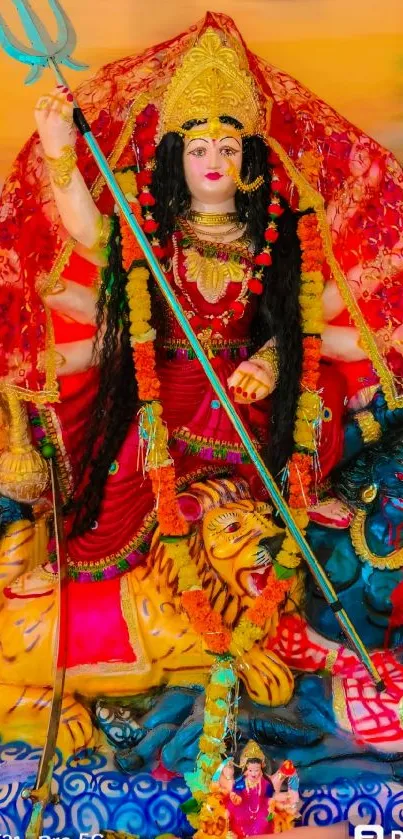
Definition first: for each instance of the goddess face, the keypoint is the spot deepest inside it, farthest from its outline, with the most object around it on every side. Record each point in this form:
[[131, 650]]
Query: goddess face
[[253, 771], [205, 163]]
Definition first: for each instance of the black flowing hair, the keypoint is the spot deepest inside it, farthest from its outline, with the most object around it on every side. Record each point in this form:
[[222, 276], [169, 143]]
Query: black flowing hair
[[116, 403], [279, 316]]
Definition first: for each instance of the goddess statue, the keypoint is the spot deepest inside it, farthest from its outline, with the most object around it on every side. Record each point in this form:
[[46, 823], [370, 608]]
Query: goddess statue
[[263, 808], [277, 225], [254, 804]]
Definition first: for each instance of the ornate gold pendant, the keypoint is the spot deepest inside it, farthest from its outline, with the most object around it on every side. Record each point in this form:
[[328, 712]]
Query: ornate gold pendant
[[211, 275]]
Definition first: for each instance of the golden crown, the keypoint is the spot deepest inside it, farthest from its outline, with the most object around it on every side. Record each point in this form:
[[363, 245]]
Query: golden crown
[[251, 752], [212, 81]]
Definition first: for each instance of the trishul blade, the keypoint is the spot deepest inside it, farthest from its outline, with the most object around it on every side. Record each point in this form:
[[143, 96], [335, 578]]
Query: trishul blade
[[42, 48]]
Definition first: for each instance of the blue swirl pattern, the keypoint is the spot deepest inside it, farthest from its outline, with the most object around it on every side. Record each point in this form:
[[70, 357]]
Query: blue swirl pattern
[[95, 796]]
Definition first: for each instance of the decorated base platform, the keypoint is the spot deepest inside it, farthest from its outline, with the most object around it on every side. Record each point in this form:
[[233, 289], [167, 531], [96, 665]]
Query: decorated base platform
[[94, 796]]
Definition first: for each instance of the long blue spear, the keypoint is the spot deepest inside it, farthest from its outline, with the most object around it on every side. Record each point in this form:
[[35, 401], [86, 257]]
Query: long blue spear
[[45, 52]]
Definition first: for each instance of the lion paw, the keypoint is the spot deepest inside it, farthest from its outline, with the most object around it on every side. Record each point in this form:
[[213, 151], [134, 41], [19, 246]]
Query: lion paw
[[266, 678], [24, 715]]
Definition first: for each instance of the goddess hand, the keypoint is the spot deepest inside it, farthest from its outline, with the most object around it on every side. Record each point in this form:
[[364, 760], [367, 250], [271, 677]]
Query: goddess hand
[[252, 380], [54, 119]]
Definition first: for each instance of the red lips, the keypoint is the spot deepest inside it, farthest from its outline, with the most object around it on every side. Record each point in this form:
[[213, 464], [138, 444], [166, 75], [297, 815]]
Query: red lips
[[213, 176]]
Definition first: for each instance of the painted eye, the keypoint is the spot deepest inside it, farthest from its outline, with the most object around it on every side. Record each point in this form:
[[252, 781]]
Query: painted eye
[[227, 523], [227, 151], [232, 527], [198, 152]]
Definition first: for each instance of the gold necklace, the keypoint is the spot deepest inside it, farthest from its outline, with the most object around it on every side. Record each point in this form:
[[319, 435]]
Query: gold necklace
[[218, 237], [239, 246], [212, 219], [253, 784], [391, 561]]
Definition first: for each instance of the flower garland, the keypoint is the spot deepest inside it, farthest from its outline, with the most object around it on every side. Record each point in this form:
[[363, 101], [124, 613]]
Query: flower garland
[[252, 627], [220, 697], [209, 624], [152, 428], [229, 649], [301, 464]]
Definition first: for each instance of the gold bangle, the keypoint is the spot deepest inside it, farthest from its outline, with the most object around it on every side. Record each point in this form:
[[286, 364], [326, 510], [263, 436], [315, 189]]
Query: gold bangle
[[60, 361], [42, 283], [269, 354], [331, 660], [104, 230], [61, 168], [371, 430], [57, 289]]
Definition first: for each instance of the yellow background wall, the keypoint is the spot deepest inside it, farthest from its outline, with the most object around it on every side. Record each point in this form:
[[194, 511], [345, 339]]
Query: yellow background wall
[[350, 52]]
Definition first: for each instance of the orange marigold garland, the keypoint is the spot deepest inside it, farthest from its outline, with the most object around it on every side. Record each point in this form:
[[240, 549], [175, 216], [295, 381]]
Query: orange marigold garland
[[301, 465], [229, 649], [206, 621], [152, 428], [209, 624]]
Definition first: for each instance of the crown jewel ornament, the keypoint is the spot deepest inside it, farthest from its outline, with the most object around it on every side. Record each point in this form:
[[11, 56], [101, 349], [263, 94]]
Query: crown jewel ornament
[[213, 81], [251, 752]]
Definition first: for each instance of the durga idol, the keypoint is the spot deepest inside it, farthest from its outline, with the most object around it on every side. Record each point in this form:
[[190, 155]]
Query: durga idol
[[241, 179], [191, 132]]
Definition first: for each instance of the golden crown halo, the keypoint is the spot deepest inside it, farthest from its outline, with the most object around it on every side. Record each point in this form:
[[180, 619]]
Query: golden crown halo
[[251, 752], [213, 80]]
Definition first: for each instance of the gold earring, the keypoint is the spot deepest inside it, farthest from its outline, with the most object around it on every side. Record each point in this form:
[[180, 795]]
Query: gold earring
[[232, 171]]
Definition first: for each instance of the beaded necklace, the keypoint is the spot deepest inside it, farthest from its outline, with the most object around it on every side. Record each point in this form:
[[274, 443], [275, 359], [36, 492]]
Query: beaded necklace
[[251, 785], [229, 250]]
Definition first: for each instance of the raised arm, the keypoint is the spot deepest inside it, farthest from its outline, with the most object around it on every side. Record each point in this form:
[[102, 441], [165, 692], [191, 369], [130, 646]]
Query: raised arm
[[80, 217], [78, 212]]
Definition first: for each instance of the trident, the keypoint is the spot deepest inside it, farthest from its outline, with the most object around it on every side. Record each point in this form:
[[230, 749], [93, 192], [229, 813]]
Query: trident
[[44, 52]]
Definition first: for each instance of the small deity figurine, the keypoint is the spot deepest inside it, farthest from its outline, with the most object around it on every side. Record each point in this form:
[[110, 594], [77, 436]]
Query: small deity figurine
[[262, 808], [254, 804]]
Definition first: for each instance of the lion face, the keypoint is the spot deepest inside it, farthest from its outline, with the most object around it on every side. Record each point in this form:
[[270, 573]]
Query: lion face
[[235, 540]]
